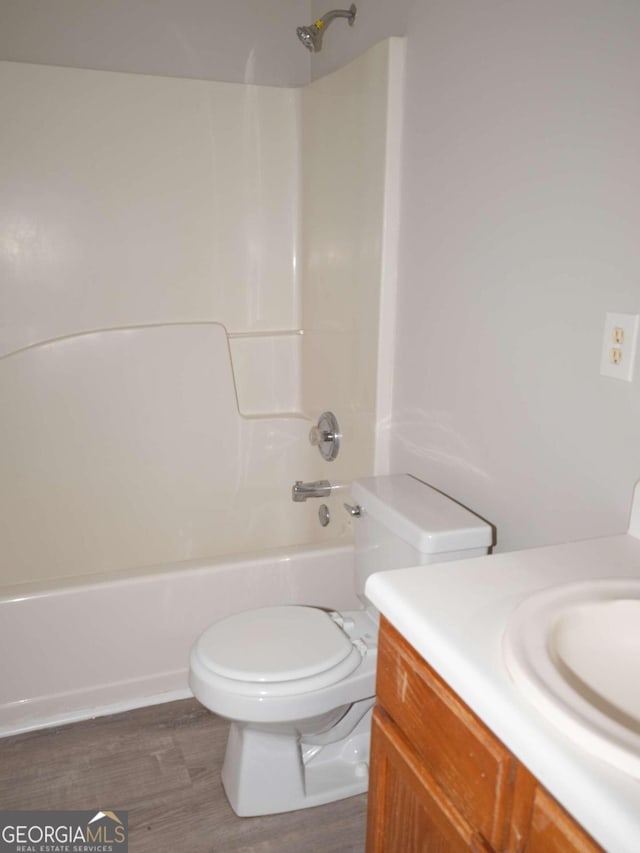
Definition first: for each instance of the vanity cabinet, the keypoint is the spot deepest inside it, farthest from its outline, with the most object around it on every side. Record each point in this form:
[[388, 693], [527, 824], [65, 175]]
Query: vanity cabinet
[[440, 780]]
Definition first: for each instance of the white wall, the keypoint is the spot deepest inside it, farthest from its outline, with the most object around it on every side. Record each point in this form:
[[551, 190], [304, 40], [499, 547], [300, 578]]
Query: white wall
[[521, 203], [519, 231], [250, 41]]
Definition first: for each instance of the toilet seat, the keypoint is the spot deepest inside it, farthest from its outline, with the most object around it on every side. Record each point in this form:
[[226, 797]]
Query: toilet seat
[[276, 651]]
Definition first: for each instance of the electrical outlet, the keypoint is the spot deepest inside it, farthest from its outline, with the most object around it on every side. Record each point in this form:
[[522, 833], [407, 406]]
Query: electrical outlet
[[619, 346]]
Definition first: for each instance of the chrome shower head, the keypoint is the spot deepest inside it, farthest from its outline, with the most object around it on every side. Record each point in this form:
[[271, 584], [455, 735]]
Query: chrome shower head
[[311, 36]]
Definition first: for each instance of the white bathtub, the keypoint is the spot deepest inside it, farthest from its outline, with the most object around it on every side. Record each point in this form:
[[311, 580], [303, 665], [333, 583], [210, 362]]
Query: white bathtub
[[71, 652]]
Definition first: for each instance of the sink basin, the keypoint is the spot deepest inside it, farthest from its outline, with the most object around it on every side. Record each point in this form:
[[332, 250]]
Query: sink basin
[[574, 652]]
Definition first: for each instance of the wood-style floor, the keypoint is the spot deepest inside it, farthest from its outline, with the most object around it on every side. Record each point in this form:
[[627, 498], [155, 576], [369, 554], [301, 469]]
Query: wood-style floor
[[162, 764]]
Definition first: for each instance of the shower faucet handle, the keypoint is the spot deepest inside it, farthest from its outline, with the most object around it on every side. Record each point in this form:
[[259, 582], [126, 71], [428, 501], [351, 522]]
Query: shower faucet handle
[[326, 436], [317, 436]]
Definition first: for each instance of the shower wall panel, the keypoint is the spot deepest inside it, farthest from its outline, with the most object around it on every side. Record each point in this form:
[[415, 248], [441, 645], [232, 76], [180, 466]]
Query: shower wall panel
[[148, 231], [349, 216], [129, 199], [190, 272], [125, 449]]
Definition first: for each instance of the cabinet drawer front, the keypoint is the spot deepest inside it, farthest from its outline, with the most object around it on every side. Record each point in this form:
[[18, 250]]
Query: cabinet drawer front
[[459, 752]]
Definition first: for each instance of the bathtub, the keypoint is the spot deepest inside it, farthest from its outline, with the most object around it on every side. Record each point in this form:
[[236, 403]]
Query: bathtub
[[74, 651]]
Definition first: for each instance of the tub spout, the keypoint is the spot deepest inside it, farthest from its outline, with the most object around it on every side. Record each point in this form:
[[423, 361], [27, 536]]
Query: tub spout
[[318, 489]]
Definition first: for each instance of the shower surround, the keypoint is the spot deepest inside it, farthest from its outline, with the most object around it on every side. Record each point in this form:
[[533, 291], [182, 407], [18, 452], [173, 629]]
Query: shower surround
[[190, 272]]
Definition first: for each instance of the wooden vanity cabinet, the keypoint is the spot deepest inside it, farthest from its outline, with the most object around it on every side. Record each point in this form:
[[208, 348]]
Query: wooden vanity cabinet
[[440, 780]]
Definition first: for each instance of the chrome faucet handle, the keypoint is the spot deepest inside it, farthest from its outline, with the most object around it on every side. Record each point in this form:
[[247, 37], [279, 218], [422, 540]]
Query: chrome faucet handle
[[317, 436], [326, 436]]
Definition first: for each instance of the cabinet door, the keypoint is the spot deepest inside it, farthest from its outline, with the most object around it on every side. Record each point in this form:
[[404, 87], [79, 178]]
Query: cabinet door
[[541, 825], [408, 813]]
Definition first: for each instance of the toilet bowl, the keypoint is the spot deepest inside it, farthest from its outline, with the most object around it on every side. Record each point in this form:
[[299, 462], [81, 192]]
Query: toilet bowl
[[298, 683], [294, 681]]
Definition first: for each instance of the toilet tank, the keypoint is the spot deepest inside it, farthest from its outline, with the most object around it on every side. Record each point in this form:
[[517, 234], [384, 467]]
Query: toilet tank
[[404, 522]]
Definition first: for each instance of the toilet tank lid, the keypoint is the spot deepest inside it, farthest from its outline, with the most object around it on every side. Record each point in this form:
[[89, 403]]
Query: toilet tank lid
[[420, 515]]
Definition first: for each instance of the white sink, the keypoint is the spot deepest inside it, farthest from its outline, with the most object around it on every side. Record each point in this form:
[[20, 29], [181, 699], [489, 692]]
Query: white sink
[[574, 652]]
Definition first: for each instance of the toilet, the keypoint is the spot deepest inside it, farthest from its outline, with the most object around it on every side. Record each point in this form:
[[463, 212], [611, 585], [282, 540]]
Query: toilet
[[298, 682]]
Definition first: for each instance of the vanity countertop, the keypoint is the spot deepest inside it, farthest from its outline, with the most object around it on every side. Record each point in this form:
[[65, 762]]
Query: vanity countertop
[[454, 614]]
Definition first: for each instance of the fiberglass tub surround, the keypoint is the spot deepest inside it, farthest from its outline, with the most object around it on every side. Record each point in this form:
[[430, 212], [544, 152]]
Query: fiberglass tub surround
[[187, 287]]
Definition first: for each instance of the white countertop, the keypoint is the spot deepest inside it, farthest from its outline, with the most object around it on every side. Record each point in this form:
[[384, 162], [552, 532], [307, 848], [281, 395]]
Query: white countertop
[[454, 614]]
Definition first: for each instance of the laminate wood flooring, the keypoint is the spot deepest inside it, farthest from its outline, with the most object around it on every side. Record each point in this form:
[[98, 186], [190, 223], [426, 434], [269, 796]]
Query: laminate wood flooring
[[162, 764]]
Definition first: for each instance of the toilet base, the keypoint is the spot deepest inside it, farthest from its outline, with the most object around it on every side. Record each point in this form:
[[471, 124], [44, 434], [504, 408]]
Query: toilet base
[[269, 773]]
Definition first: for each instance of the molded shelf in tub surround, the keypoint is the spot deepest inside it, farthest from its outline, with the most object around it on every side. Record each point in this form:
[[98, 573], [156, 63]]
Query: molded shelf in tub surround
[[267, 370]]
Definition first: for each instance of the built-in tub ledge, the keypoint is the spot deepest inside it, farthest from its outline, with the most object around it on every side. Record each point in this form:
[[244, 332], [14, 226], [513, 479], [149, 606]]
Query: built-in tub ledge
[[267, 371]]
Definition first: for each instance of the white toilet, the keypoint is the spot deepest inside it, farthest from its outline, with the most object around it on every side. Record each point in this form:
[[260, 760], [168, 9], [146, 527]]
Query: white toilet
[[298, 682]]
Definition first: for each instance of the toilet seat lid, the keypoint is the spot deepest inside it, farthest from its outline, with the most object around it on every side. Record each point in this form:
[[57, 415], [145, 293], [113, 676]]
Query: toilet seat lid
[[274, 644]]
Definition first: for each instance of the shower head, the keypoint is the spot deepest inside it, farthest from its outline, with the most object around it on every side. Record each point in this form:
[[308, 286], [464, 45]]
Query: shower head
[[311, 36]]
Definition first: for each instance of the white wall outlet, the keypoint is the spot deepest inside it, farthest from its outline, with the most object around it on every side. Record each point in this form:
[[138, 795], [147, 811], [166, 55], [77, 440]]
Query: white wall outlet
[[619, 346]]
